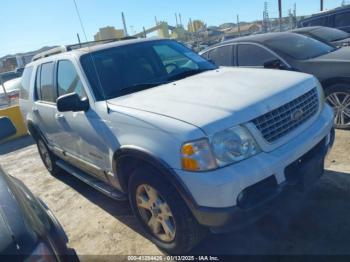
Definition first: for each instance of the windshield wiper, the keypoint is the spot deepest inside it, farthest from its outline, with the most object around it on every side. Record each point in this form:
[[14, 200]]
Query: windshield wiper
[[187, 73], [140, 86]]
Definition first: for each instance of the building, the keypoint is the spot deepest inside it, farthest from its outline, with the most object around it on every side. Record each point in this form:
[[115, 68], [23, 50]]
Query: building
[[109, 32]]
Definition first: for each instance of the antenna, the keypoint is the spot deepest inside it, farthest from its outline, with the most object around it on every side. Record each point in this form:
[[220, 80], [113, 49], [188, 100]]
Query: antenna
[[124, 24], [92, 59]]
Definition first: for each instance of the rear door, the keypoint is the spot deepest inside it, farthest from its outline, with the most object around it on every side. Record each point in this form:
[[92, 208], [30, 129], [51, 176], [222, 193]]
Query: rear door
[[45, 101]]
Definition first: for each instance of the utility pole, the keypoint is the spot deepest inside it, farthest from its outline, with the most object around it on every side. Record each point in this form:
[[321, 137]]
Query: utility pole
[[180, 20], [280, 13], [321, 5], [155, 19], [239, 28], [176, 19]]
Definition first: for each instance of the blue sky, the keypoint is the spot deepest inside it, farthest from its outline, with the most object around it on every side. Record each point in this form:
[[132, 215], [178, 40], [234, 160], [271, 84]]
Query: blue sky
[[30, 24]]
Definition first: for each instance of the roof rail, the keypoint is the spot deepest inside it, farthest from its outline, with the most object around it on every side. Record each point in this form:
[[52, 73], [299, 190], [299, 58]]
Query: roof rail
[[66, 48]]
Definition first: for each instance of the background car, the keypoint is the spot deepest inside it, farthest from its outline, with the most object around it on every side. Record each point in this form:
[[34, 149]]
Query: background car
[[328, 35], [336, 18], [28, 229], [9, 92], [289, 51]]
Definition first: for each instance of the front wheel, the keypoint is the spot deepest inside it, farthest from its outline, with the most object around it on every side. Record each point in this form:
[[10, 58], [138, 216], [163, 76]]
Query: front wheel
[[162, 213], [47, 157], [338, 97]]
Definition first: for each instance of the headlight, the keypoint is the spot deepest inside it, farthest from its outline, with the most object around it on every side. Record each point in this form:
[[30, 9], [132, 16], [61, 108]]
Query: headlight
[[226, 147], [232, 145], [197, 156]]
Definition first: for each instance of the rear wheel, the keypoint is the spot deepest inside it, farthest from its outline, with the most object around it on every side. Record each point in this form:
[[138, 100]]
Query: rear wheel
[[47, 157], [162, 213], [338, 97]]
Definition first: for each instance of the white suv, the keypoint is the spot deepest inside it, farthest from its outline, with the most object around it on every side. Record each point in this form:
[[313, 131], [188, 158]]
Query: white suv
[[192, 146]]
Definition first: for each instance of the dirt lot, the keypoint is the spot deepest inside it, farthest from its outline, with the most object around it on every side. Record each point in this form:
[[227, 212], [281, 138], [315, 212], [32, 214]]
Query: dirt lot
[[313, 223]]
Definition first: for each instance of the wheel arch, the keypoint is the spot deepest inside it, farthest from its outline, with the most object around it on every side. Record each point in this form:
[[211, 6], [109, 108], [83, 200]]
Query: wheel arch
[[335, 80], [128, 158]]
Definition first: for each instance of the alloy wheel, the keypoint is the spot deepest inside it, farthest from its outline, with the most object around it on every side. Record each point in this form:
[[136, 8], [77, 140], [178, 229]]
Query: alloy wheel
[[155, 213], [340, 101]]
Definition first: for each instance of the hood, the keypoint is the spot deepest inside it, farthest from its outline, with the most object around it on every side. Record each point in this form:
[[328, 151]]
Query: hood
[[219, 99], [340, 55], [16, 237]]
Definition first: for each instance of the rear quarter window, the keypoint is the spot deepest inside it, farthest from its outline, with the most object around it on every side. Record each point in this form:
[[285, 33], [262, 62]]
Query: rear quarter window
[[25, 83]]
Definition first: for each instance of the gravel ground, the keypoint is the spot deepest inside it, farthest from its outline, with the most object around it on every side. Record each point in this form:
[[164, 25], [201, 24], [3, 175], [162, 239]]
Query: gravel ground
[[316, 222]]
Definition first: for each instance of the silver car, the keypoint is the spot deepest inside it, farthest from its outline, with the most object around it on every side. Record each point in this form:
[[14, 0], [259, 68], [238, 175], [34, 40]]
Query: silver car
[[9, 92]]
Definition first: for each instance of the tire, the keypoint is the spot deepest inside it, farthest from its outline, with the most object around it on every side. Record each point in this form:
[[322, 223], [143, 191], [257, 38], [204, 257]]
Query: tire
[[338, 97], [47, 157], [187, 233]]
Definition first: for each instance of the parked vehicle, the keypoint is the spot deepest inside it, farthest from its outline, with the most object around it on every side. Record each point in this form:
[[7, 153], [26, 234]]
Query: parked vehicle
[[28, 229], [192, 146], [289, 51], [336, 18], [6, 76], [9, 92], [328, 35]]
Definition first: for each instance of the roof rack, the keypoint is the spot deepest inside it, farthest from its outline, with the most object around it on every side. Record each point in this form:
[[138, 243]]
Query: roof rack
[[66, 48]]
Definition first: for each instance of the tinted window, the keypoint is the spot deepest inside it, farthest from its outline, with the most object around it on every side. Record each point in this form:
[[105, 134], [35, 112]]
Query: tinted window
[[322, 21], [252, 55], [329, 34], [25, 83], [68, 80], [342, 19], [221, 56], [47, 91], [131, 68], [298, 46]]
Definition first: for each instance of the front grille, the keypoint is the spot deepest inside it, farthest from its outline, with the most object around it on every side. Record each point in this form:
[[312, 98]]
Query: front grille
[[279, 122]]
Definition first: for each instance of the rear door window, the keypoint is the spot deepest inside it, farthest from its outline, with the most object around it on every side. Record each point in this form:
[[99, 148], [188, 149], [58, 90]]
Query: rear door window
[[321, 21], [68, 80], [221, 56], [47, 91], [252, 55]]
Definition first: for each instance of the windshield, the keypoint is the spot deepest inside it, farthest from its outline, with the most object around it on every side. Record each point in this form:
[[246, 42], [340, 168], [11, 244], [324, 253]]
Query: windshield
[[329, 34], [130, 68], [298, 46]]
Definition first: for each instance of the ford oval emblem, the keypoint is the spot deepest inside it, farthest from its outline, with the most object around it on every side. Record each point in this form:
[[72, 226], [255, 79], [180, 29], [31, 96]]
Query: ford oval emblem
[[297, 114]]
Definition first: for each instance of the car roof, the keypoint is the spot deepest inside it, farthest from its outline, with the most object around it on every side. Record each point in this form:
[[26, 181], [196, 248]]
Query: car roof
[[94, 48], [259, 38], [327, 12]]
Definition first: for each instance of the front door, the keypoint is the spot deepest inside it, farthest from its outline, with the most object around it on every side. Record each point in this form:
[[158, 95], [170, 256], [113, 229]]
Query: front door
[[78, 134]]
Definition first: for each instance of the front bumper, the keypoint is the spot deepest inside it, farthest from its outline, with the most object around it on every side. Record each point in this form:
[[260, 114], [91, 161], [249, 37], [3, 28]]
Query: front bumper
[[218, 193]]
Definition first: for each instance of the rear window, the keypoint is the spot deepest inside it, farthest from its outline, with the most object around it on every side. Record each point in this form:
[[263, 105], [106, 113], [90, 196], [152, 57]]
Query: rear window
[[342, 20], [322, 21], [25, 83], [330, 34], [298, 46]]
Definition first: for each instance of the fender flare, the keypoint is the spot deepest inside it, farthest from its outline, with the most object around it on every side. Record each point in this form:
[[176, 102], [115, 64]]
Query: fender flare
[[145, 156], [334, 80]]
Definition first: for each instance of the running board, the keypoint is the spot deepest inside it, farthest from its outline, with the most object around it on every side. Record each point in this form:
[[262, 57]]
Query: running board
[[92, 181]]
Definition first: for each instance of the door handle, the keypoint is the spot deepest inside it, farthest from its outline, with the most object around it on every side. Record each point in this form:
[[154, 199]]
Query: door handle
[[35, 110], [59, 116]]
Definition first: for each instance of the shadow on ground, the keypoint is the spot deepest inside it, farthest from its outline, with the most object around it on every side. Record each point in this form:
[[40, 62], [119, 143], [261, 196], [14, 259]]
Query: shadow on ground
[[17, 144], [314, 222]]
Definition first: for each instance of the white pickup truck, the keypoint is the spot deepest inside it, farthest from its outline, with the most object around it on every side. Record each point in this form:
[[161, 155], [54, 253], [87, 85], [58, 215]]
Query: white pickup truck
[[192, 146]]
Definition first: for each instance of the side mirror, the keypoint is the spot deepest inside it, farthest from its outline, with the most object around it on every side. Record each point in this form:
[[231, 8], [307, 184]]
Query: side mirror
[[274, 64], [72, 102], [7, 128]]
